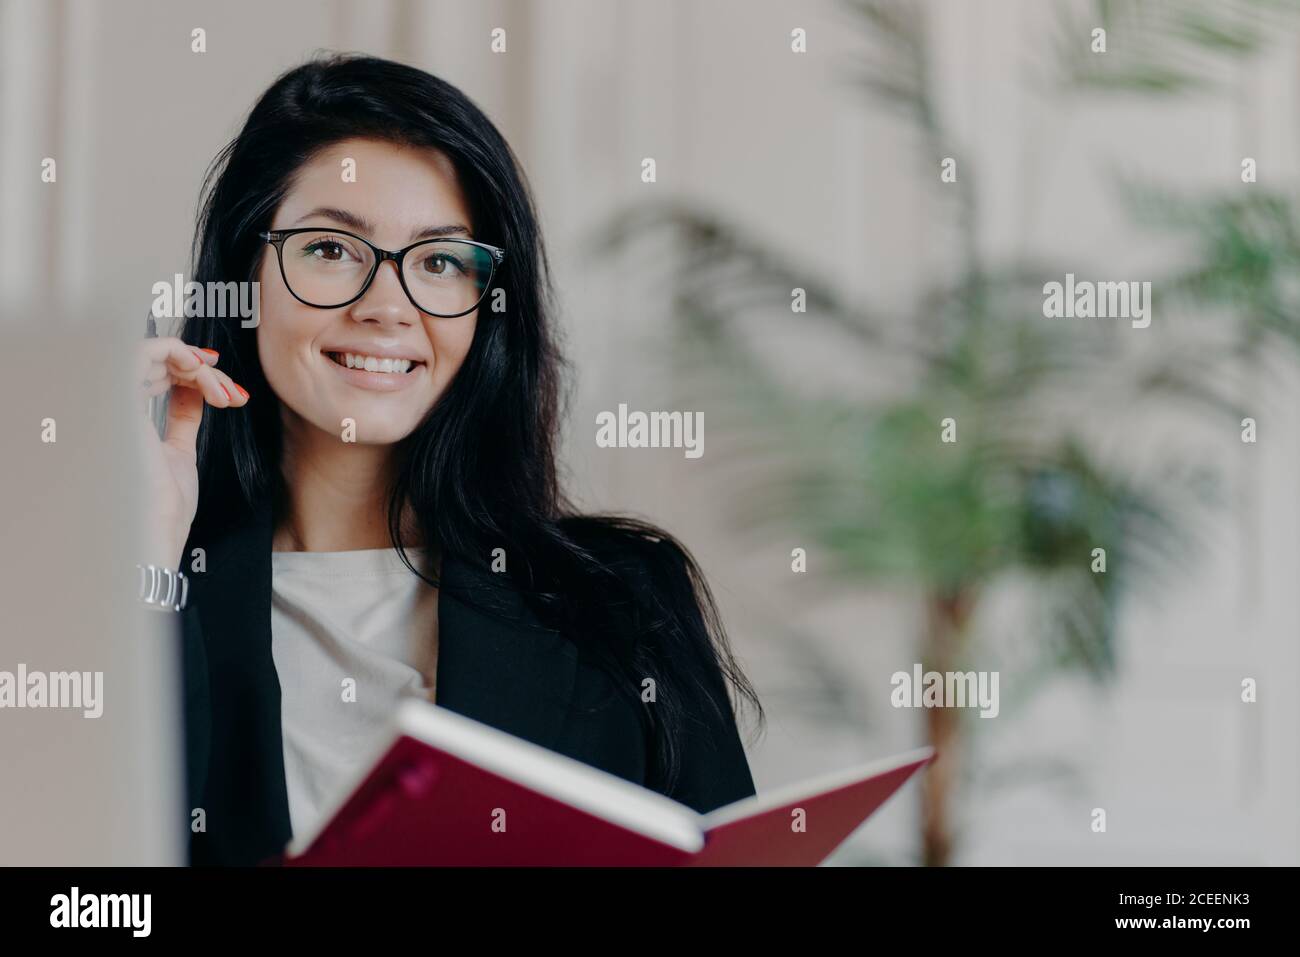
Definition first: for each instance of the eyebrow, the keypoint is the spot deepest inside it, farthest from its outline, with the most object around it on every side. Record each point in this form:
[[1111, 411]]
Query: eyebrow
[[364, 226]]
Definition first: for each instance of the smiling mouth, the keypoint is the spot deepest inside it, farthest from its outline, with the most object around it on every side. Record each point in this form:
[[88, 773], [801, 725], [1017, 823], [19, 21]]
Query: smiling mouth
[[365, 363]]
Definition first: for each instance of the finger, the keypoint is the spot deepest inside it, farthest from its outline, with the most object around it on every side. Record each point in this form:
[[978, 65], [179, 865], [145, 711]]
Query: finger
[[164, 348], [155, 381], [185, 411], [208, 382], [184, 414], [169, 357], [238, 395], [156, 387], [184, 364]]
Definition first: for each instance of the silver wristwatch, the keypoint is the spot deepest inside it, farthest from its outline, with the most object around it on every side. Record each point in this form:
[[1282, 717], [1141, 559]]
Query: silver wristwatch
[[162, 588]]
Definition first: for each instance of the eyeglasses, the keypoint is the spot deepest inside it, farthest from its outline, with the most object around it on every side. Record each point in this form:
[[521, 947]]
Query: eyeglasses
[[329, 268]]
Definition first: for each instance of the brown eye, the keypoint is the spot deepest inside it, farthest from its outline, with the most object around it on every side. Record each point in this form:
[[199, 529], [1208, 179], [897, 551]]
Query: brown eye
[[327, 250], [442, 264]]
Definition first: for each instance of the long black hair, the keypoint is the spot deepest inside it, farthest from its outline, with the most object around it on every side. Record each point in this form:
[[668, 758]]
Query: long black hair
[[479, 473]]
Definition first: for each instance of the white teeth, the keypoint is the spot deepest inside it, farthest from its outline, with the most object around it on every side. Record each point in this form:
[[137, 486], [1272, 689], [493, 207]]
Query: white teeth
[[373, 363]]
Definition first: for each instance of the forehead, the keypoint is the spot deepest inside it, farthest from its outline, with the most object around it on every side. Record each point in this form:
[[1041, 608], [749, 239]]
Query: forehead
[[401, 189]]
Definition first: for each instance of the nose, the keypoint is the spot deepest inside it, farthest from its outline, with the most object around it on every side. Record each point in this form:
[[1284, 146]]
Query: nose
[[385, 302]]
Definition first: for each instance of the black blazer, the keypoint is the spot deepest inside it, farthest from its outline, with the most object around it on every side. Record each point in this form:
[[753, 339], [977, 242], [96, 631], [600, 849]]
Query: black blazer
[[511, 673]]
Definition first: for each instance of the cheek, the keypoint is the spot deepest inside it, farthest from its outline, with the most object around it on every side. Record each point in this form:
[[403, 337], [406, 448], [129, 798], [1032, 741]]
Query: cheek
[[451, 339], [285, 327]]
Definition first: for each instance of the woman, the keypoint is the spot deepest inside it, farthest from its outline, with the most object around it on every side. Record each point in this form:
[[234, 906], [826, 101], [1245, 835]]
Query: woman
[[369, 508]]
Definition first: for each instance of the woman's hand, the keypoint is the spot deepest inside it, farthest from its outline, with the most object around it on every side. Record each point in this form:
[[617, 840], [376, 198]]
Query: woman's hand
[[171, 463]]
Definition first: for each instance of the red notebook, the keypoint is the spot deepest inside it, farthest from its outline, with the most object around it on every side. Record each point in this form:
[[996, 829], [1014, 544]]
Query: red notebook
[[448, 790]]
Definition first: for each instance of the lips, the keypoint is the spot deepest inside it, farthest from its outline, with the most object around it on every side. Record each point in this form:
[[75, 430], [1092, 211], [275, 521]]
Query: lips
[[375, 379], [388, 365]]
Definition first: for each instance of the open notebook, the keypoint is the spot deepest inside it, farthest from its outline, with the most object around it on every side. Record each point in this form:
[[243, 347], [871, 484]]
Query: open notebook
[[448, 790]]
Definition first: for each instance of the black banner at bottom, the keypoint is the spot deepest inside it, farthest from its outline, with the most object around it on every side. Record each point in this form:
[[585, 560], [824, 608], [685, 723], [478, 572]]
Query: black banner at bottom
[[661, 907]]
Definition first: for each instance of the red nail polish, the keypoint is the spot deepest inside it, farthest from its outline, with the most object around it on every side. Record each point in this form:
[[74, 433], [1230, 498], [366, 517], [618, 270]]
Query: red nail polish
[[227, 392], [241, 390]]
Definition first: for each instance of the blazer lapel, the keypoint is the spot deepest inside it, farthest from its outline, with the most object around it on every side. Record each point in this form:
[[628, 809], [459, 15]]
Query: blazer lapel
[[496, 663], [249, 804]]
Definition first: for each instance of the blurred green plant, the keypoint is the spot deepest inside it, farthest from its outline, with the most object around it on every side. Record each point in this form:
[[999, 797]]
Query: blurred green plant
[[1023, 493]]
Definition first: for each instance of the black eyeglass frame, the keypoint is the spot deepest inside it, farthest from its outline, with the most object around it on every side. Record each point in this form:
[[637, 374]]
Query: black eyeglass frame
[[276, 238]]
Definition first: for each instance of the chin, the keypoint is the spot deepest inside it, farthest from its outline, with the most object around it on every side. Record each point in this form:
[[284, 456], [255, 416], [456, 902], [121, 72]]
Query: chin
[[368, 423], [385, 434]]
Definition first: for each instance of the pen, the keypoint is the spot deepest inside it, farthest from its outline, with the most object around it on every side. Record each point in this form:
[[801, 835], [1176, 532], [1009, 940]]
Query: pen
[[151, 332]]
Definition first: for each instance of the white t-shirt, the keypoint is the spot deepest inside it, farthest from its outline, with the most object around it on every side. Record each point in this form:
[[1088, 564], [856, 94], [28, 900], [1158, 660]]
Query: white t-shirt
[[359, 615]]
